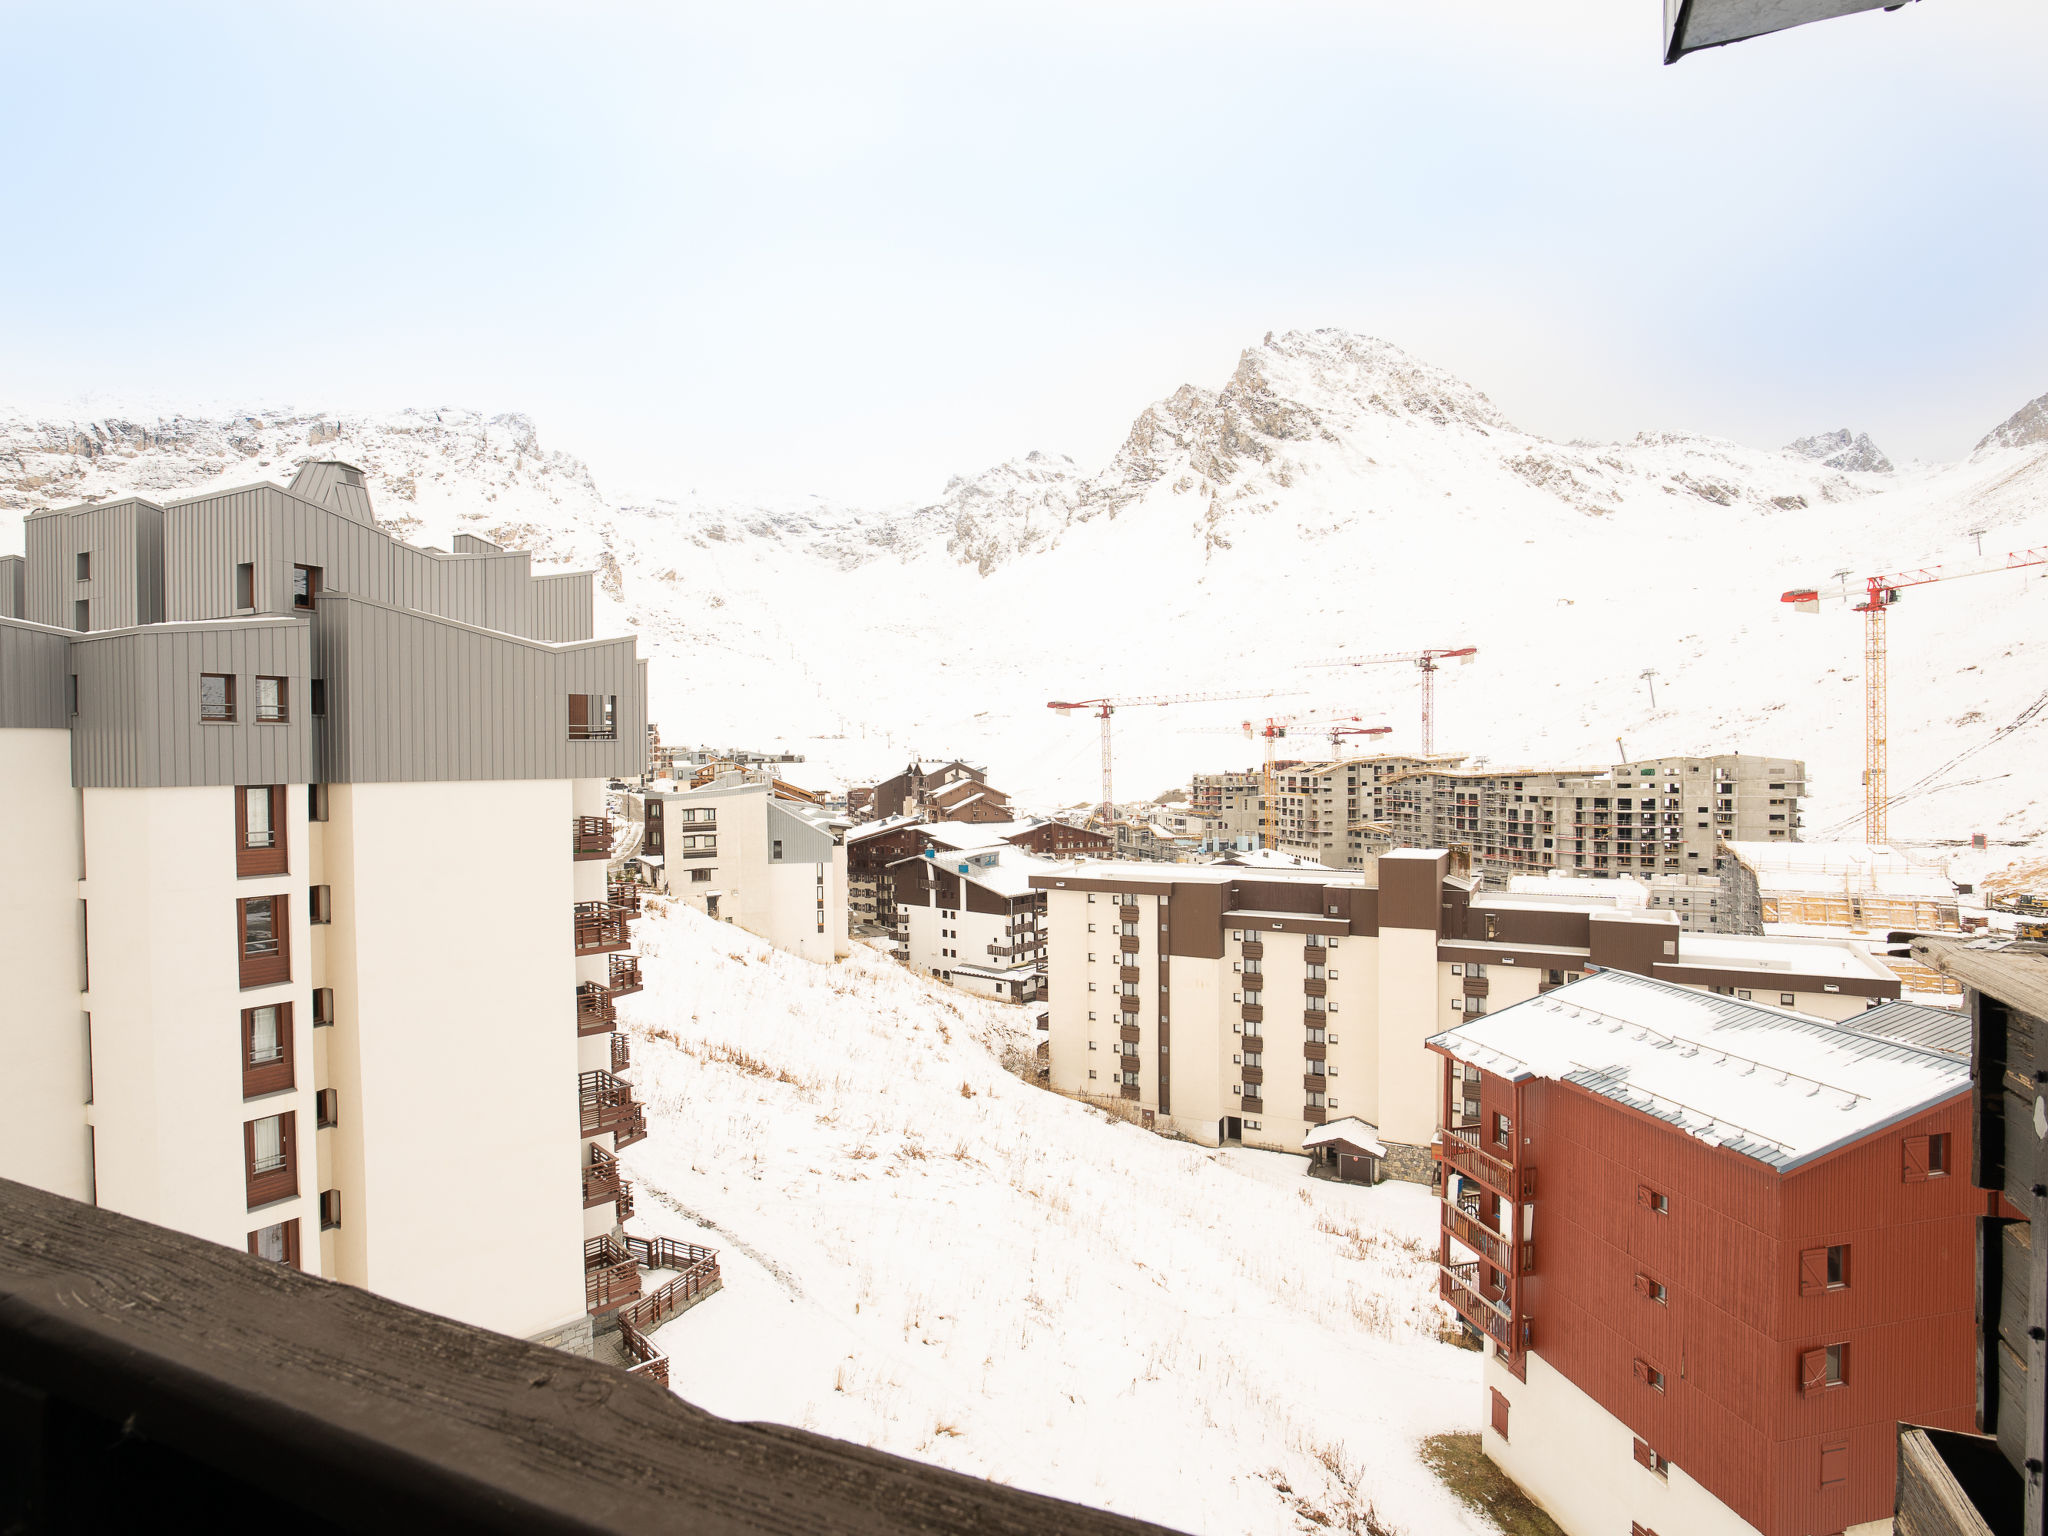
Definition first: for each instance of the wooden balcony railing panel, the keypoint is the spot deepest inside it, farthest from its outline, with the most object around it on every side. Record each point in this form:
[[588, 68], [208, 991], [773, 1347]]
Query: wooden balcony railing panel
[[1458, 1284], [599, 928], [1254, 950], [1252, 1104], [1253, 1076], [647, 1360], [1478, 986], [622, 1053], [1314, 1082], [623, 897], [1315, 1050], [1127, 914], [1313, 953], [1477, 1236], [601, 1181], [590, 837], [1128, 1033], [606, 1104], [625, 975], [594, 1012], [1129, 1090], [1315, 986], [1461, 1153], [1314, 1114], [1128, 943], [1254, 1043], [1127, 973], [1316, 1018], [1254, 1013], [1127, 1004]]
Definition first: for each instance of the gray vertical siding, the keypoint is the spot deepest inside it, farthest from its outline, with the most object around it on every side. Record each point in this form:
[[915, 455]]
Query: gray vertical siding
[[149, 564], [13, 597], [138, 722], [565, 607], [412, 698], [470, 544], [35, 665], [331, 483], [124, 539], [46, 537]]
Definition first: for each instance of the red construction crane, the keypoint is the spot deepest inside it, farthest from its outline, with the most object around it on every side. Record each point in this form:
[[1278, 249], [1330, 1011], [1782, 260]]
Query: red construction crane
[[1337, 732], [1275, 727], [1102, 709], [1879, 593], [1426, 663]]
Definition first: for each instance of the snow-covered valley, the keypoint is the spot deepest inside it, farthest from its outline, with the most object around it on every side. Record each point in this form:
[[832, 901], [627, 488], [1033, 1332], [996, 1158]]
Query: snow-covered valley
[[925, 1253], [1333, 495]]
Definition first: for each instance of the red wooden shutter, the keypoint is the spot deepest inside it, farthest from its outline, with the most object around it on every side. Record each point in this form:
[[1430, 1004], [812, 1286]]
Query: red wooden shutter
[[579, 714], [1645, 1457], [1642, 1370], [1500, 1413], [1834, 1463], [1916, 1159], [1642, 1194], [1642, 1285], [1813, 1370], [1813, 1271]]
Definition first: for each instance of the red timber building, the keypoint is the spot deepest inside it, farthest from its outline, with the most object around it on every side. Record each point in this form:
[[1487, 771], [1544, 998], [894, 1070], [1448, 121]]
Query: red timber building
[[1719, 1251]]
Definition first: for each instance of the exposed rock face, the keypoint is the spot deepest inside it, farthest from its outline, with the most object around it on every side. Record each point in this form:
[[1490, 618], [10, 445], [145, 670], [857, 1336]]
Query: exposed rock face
[[2022, 429], [1840, 450]]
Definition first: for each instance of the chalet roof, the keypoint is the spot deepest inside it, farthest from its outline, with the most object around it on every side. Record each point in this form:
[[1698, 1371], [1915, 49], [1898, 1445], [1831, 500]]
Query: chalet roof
[[1777, 1086], [1347, 1132], [885, 824]]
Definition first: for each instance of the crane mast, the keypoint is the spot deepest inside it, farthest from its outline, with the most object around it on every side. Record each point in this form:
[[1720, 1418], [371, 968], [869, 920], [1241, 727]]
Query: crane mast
[[1425, 662]]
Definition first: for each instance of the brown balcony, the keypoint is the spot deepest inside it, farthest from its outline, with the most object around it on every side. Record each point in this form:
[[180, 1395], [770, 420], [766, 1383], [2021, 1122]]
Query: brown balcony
[[611, 1275], [622, 1053], [599, 929], [1252, 1075], [1312, 1113], [1254, 1013], [1458, 1284], [1254, 949], [1128, 1034], [1128, 943], [625, 975], [1131, 1062], [1255, 1044], [1252, 1104], [607, 1104], [591, 837], [602, 1180], [1315, 1050], [1316, 986], [1127, 1004], [1316, 1018], [1477, 986], [1127, 914], [1127, 973], [1477, 1236], [1129, 1090], [1314, 1082], [1462, 1155], [1313, 953], [624, 897], [594, 1012]]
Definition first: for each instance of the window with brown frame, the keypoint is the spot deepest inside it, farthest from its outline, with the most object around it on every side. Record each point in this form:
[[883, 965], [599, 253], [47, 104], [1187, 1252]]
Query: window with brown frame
[[320, 904], [273, 700], [326, 1109], [260, 842], [1925, 1157], [305, 586], [271, 1158], [263, 929], [323, 1007], [330, 1209], [316, 802], [245, 585], [1823, 1269], [593, 717], [266, 1049], [1820, 1369], [217, 698], [278, 1242]]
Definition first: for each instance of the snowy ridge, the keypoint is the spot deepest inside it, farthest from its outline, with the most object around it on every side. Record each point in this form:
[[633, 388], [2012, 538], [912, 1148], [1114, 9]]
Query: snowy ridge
[[924, 1253], [1332, 494]]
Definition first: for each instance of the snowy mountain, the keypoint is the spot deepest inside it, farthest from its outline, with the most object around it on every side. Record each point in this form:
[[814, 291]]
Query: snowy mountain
[[1333, 494]]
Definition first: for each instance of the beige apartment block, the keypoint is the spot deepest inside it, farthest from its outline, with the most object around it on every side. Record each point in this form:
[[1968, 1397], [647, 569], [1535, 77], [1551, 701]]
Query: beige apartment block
[[309, 827], [1251, 1005]]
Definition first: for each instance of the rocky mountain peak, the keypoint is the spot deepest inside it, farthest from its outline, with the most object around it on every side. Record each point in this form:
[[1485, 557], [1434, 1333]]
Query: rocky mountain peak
[[1840, 450], [2023, 428]]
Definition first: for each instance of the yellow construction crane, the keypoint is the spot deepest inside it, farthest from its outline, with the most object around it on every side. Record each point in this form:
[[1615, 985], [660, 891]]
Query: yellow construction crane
[[1879, 593]]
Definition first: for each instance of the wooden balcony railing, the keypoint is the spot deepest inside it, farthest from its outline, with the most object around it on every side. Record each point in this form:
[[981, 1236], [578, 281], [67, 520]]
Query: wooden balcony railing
[[599, 928], [1316, 986], [611, 1275], [1129, 1090], [1252, 1104], [625, 975], [607, 1104], [622, 1053], [1128, 943], [1253, 1077], [1461, 1152], [1254, 949], [1254, 1042], [1478, 986], [1315, 1050], [591, 837], [594, 1012], [647, 1360], [1254, 1013], [1458, 1284], [623, 897], [1477, 1236], [1128, 1033], [1314, 1114], [1127, 914], [602, 1180]]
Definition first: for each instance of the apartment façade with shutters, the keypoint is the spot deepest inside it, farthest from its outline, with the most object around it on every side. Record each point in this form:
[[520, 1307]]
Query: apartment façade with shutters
[[307, 936], [1235, 1004]]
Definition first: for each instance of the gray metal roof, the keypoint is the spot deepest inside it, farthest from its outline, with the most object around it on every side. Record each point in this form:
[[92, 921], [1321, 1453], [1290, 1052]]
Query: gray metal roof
[[1691, 25]]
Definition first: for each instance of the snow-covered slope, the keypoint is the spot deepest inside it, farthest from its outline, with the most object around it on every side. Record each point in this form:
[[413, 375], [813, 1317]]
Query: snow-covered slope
[[1333, 494], [925, 1253]]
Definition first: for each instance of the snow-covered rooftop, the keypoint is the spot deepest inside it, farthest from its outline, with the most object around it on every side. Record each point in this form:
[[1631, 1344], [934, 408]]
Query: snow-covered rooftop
[[1350, 1130], [1140, 872], [1777, 1086], [1807, 957], [1001, 868], [1936, 1029], [885, 824], [978, 834], [1841, 868]]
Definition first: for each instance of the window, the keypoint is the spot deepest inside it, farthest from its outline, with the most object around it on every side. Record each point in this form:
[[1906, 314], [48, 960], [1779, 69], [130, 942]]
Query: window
[[1652, 1200], [323, 1007], [317, 698], [1823, 1269], [330, 1209], [266, 1050], [1503, 1129], [263, 925], [272, 1159], [81, 615], [272, 701], [84, 566], [1500, 1412], [1646, 1457], [1822, 1368], [278, 1243], [1926, 1157], [245, 586], [592, 718], [326, 1109], [316, 802], [1649, 1375], [305, 586], [700, 875], [216, 697], [71, 696], [1653, 1289], [778, 849], [259, 830], [1786, 999], [320, 904]]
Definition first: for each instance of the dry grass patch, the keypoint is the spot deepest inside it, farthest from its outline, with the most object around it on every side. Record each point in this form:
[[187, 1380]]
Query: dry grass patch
[[1481, 1485]]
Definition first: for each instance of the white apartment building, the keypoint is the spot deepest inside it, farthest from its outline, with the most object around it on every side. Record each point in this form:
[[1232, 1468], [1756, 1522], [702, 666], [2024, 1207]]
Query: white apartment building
[[739, 851], [1254, 1003], [971, 917], [300, 814]]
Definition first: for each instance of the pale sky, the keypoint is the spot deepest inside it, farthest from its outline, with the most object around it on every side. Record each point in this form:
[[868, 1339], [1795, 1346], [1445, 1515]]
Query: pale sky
[[850, 249]]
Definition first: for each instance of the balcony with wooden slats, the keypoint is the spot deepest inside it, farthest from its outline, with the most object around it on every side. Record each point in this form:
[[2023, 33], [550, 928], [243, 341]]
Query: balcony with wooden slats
[[1129, 1090], [1254, 949], [1252, 1075], [622, 1053], [600, 928], [1254, 1044], [1315, 1050], [1468, 1229], [1315, 986], [1127, 942], [625, 975], [1254, 1013], [602, 1179], [1127, 973], [1477, 986], [1127, 914], [606, 1103], [624, 896], [1462, 1155], [1314, 1114], [595, 1014], [1458, 1284], [590, 837], [1128, 1033]]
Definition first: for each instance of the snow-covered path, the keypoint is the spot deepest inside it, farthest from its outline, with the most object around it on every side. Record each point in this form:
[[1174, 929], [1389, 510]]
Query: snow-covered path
[[927, 1254]]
